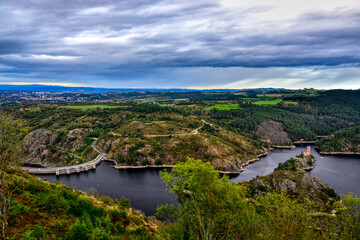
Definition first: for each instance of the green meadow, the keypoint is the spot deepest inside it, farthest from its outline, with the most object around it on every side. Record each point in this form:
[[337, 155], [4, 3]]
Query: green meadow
[[223, 107], [269, 102]]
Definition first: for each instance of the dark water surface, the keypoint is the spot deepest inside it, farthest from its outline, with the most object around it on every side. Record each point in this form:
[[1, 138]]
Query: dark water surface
[[340, 172], [143, 187], [146, 189]]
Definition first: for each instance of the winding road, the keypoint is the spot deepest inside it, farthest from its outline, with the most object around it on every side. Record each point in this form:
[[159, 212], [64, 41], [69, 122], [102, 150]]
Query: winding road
[[70, 169]]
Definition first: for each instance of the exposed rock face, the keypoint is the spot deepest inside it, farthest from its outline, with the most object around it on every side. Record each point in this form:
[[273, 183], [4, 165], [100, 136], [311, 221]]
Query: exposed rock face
[[50, 148], [305, 162], [273, 133], [291, 179]]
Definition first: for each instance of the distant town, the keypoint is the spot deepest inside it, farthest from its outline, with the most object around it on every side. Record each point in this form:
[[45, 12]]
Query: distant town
[[9, 97]]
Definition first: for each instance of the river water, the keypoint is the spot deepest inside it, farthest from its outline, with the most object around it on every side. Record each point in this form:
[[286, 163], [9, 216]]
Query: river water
[[146, 189]]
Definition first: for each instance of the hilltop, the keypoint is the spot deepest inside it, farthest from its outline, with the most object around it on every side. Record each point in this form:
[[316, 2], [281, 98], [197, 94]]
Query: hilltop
[[345, 141]]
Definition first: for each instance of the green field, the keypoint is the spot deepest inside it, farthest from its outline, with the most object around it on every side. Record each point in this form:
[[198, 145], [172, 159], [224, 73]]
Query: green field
[[86, 107], [269, 102], [223, 107]]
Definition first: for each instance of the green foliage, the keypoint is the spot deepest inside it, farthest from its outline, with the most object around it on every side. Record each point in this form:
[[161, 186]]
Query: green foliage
[[145, 162], [87, 107], [288, 165], [61, 135], [95, 133], [210, 207], [330, 192], [158, 161], [53, 211], [78, 231], [226, 107], [345, 140], [268, 102]]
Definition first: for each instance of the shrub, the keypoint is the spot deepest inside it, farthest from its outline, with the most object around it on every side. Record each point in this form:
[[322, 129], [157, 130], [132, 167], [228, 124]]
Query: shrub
[[78, 231], [158, 161], [145, 162]]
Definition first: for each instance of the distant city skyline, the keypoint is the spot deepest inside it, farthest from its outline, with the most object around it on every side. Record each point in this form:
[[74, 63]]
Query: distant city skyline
[[205, 44]]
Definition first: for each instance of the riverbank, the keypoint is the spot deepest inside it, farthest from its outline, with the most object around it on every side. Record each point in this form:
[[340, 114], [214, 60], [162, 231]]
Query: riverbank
[[341, 153]]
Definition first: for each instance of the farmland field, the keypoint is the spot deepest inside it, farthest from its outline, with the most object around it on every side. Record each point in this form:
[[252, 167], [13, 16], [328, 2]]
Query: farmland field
[[269, 102], [223, 107]]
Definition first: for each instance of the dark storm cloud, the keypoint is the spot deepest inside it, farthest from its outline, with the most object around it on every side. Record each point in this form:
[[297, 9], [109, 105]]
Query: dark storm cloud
[[131, 39]]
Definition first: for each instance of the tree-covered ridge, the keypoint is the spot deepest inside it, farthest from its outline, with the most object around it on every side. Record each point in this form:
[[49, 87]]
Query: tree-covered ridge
[[345, 140], [305, 118], [43, 210]]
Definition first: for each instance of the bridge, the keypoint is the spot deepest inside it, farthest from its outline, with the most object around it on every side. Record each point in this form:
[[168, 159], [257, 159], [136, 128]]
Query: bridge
[[70, 169]]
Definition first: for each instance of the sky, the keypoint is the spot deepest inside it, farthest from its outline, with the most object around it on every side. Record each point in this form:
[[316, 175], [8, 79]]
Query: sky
[[181, 44]]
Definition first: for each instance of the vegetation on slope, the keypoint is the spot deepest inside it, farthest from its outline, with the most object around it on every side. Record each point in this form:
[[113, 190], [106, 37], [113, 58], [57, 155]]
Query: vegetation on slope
[[43, 210], [133, 145], [210, 207], [343, 141], [136, 134]]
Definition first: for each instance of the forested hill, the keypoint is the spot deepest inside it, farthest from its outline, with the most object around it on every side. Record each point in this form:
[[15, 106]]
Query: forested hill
[[302, 117], [343, 141]]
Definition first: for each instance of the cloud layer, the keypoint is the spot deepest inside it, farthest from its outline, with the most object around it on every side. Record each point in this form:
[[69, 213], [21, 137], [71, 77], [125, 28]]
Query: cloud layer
[[164, 43]]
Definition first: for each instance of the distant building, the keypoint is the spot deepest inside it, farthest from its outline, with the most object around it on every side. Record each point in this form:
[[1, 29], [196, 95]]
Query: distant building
[[308, 151]]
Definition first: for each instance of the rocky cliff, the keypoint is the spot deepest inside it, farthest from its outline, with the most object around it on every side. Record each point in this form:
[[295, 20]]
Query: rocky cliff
[[273, 133], [57, 148]]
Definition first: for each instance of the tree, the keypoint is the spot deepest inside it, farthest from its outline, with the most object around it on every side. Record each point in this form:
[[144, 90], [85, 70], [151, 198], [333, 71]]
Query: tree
[[209, 207], [12, 132]]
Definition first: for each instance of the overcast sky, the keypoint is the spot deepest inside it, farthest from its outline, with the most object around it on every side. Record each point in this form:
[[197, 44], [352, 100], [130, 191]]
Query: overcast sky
[[181, 44]]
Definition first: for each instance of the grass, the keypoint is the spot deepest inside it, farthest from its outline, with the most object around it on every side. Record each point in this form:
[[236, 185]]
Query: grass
[[86, 107], [269, 102], [223, 107]]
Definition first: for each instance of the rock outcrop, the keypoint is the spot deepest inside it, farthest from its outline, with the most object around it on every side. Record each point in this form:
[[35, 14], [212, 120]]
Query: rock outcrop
[[291, 178], [273, 133], [54, 148]]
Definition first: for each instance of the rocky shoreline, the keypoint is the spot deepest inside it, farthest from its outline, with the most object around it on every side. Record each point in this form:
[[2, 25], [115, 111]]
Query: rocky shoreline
[[340, 153], [116, 166], [284, 147]]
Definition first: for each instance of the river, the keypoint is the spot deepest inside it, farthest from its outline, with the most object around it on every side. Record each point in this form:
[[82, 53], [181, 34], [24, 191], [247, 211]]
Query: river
[[146, 189]]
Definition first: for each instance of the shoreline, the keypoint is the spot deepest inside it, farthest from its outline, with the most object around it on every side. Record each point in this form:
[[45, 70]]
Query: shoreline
[[72, 169], [284, 147], [171, 166], [341, 153]]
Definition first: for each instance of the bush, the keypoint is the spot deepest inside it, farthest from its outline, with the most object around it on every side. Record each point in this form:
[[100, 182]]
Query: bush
[[78, 231], [145, 162], [139, 145], [158, 161], [115, 215], [124, 203]]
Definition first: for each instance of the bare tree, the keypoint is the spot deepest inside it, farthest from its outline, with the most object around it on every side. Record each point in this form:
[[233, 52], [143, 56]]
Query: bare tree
[[12, 132]]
